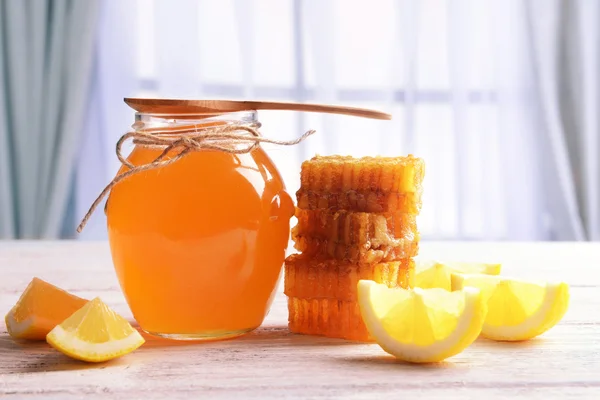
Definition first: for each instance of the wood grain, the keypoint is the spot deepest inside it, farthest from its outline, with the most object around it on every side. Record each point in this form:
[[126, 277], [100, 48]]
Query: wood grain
[[213, 107], [272, 363]]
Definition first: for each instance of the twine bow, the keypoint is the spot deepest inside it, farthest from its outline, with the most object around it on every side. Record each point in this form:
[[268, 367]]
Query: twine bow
[[226, 138]]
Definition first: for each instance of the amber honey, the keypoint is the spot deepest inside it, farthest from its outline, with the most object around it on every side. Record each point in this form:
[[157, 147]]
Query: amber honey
[[198, 245]]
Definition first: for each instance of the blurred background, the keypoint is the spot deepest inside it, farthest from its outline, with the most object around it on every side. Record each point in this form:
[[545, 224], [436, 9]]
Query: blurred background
[[500, 98]]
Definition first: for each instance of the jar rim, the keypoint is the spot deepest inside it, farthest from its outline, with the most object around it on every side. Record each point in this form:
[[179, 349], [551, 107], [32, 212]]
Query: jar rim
[[191, 121]]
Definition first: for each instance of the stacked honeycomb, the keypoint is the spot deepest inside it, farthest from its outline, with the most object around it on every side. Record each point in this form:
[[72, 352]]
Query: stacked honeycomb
[[356, 220]]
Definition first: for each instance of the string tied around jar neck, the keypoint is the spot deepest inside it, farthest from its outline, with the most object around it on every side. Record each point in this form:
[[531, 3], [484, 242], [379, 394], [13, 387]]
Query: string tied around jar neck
[[229, 138]]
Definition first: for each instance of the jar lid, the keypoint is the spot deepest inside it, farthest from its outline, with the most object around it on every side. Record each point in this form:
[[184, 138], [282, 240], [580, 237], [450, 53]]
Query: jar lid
[[183, 106]]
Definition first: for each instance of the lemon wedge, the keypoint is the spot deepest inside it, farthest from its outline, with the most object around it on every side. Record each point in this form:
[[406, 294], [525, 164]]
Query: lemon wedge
[[40, 308], [435, 274], [517, 310], [421, 325], [95, 333]]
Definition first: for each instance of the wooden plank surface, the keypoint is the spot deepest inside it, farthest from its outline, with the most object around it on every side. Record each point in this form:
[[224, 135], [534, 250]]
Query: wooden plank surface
[[272, 363]]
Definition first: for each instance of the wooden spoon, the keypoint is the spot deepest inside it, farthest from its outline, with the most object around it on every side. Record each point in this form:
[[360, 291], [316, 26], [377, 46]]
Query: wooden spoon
[[173, 106]]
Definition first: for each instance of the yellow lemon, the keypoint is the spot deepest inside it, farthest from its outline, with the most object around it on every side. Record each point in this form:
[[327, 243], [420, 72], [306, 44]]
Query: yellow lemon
[[421, 325], [95, 333], [517, 310], [435, 274], [40, 308]]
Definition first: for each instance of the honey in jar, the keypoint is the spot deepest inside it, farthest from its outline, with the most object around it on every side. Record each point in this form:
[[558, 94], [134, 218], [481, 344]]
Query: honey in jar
[[198, 245]]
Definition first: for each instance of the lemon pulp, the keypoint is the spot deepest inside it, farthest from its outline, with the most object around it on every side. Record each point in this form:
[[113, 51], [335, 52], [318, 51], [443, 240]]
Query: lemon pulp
[[517, 310], [40, 308], [421, 325], [435, 274], [95, 333]]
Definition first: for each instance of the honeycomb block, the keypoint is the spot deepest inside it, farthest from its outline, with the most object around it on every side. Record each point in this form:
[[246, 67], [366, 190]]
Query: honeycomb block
[[327, 317], [355, 228], [343, 173], [361, 254], [371, 201], [317, 279]]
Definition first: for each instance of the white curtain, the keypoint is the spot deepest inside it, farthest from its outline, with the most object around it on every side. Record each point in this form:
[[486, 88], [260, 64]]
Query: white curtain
[[565, 41], [46, 54], [481, 90]]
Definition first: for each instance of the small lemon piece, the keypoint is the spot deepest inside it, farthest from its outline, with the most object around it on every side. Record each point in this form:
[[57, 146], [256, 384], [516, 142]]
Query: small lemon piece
[[421, 325], [95, 333], [40, 308], [435, 274], [517, 310]]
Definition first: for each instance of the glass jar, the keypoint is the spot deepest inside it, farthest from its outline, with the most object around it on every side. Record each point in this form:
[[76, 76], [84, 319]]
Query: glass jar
[[198, 245]]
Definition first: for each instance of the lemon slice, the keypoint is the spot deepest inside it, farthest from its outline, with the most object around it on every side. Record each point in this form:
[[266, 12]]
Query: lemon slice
[[421, 325], [517, 310], [40, 308], [435, 274], [95, 333]]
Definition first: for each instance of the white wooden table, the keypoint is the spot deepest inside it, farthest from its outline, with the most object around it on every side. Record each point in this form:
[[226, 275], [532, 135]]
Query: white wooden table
[[272, 363]]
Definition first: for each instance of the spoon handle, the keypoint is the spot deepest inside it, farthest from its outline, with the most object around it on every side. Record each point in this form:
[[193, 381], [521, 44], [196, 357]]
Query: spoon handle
[[165, 106]]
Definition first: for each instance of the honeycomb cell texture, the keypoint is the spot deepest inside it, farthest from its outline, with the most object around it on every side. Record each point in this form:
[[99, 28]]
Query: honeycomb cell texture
[[330, 279], [357, 219]]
